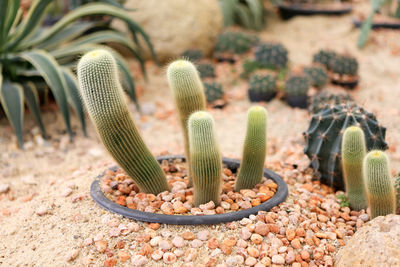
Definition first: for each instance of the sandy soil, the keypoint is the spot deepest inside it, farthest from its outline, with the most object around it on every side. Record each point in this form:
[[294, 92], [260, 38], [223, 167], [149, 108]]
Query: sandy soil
[[40, 176]]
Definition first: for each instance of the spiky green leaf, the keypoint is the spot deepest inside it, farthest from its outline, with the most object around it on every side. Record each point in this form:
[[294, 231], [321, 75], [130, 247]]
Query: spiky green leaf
[[32, 100], [365, 30], [257, 10]]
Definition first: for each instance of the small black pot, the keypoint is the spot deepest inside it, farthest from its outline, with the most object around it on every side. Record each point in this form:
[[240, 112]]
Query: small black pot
[[228, 59], [287, 11], [255, 96], [298, 101], [280, 196], [349, 85], [383, 25]]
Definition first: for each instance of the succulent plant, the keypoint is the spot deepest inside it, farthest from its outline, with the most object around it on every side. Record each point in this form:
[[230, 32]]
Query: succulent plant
[[213, 91], [324, 100], [317, 75], [206, 160], [254, 149], [397, 190], [353, 153], [249, 66], [297, 85], [247, 14], [192, 55], [102, 94], [188, 91], [379, 184], [345, 65], [206, 70], [271, 55], [324, 135], [263, 83], [233, 43], [325, 57]]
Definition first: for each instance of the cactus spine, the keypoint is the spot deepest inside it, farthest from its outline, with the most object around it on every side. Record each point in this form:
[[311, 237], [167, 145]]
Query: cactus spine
[[105, 103], [353, 153], [254, 149], [379, 184], [205, 158], [188, 91]]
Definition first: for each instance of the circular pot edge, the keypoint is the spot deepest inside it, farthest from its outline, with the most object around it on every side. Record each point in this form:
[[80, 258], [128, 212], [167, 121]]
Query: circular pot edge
[[280, 196]]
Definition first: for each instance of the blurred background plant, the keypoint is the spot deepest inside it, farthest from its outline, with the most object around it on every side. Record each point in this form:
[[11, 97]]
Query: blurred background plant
[[35, 58], [249, 14]]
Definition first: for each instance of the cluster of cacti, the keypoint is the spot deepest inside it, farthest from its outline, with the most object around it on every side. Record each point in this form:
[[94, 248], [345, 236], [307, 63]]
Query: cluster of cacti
[[325, 57], [234, 43], [345, 65], [102, 94], [192, 55], [324, 100], [254, 149], [206, 70], [317, 75], [206, 160], [324, 135], [297, 85], [271, 55], [213, 91], [353, 153], [379, 184]]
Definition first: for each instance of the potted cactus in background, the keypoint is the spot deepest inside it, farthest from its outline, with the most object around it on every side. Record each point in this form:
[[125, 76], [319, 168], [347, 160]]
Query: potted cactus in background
[[262, 87], [271, 55], [214, 94], [296, 90], [231, 44], [345, 71], [317, 75]]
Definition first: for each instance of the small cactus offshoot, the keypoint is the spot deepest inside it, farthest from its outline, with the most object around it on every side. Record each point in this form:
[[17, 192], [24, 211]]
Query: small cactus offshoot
[[317, 75], [206, 160], [353, 153], [188, 91], [102, 94], [325, 57], [254, 149], [213, 91], [379, 184], [271, 55]]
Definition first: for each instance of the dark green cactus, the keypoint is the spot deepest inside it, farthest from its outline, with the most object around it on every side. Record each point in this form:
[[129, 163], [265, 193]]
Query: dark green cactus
[[234, 43], [206, 70], [353, 153], [254, 149], [397, 190], [263, 83], [324, 100], [206, 160], [317, 75], [324, 136], [345, 65], [102, 94], [379, 184], [325, 57], [192, 55], [297, 85], [213, 91], [271, 55], [188, 91], [248, 67]]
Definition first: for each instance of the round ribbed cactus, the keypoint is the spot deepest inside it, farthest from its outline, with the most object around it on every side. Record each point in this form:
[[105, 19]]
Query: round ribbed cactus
[[192, 55], [213, 91], [345, 65], [206, 161], [353, 153], [206, 70], [104, 100], [324, 100], [297, 85], [188, 91], [271, 55], [254, 149], [324, 136], [234, 43], [379, 184], [325, 57], [262, 87], [317, 75]]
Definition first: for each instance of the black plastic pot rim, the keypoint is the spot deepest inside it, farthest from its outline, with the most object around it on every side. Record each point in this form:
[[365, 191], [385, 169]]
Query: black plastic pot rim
[[280, 196], [316, 10], [375, 25], [350, 85]]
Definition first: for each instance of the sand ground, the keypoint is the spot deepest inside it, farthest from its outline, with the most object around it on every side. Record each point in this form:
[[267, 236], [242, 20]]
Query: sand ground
[[44, 172]]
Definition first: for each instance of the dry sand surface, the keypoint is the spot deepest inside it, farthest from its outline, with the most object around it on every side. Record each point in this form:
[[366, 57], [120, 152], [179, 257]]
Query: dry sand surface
[[54, 179]]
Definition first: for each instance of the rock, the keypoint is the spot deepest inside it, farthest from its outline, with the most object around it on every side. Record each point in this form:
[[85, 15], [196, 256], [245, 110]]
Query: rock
[[203, 235], [139, 260], [177, 25], [376, 243], [178, 242], [42, 210], [278, 259], [4, 188], [29, 180], [71, 256], [169, 257]]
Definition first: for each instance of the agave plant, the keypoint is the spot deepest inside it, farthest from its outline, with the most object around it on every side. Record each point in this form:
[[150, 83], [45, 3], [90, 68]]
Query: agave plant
[[31, 54], [246, 13]]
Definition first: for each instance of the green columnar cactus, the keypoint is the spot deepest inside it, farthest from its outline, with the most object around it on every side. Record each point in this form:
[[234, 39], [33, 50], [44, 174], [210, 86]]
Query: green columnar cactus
[[254, 149], [379, 184], [353, 153], [105, 103], [188, 91], [206, 161]]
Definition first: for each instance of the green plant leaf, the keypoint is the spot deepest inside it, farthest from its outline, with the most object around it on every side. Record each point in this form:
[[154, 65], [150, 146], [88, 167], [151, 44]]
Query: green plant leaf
[[12, 14], [257, 10], [3, 20], [12, 100], [228, 11], [51, 73], [365, 30], [244, 16], [74, 97], [32, 100]]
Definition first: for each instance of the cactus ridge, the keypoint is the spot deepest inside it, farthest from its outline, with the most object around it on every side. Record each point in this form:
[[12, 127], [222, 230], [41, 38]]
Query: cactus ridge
[[324, 136], [106, 104], [254, 149], [206, 160], [353, 152], [379, 184]]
